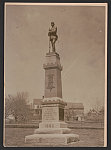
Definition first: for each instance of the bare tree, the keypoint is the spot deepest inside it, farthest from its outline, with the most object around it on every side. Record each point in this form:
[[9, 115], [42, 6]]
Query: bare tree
[[96, 113], [8, 106], [17, 106]]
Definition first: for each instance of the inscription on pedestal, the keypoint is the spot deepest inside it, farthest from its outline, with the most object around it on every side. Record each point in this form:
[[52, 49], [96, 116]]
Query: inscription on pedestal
[[50, 82], [50, 114]]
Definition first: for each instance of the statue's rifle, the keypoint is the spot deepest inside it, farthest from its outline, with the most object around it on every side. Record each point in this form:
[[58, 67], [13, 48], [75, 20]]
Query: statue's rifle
[[49, 44], [49, 40]]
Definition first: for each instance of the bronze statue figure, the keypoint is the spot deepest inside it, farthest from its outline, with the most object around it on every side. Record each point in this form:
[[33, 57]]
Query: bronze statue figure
[[52, 36]]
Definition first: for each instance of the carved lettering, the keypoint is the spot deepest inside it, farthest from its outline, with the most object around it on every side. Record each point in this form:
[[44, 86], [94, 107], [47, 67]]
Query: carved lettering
[[50, 82], [50, 114]]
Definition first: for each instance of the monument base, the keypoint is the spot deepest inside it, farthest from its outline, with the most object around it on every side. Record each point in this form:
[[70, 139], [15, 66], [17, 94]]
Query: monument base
[[51, 139], [53, 125], [52, 131]]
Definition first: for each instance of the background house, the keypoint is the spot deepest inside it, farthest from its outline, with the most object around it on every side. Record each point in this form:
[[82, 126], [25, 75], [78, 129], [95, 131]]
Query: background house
[[74, 111], [37, 109]]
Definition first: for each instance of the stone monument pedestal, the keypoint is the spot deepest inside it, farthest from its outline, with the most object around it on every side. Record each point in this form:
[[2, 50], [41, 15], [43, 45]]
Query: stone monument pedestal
[[51, 139], [52, 130]]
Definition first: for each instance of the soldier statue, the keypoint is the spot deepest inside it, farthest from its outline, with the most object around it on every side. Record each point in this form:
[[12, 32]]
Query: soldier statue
[[52, 36]]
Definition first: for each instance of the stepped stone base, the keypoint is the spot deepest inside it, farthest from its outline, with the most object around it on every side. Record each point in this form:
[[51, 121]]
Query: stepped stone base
[[52, 131], [51, 139]]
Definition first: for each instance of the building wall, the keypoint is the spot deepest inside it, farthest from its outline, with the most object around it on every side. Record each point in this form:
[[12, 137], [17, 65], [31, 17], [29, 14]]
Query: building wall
[[74, 114], [37, 112]]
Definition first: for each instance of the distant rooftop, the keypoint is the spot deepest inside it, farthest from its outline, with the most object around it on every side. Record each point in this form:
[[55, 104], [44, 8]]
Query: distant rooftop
[[37, 101]]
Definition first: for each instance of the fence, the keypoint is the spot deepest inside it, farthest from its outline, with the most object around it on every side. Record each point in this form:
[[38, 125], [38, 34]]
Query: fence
[[86, 124], [72, 125]]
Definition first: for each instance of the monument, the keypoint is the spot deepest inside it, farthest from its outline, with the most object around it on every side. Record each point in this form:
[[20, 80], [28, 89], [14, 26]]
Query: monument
[[52, 130]]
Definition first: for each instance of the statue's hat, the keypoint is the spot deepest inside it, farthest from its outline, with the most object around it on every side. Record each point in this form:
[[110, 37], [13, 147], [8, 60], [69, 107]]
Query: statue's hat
[[52, 22]]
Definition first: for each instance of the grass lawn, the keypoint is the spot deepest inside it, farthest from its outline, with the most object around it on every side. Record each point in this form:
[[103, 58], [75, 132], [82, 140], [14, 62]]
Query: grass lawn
[[88, 137]]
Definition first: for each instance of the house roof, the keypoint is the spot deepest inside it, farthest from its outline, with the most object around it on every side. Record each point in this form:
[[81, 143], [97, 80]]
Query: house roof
[[37, 101], [74, 105]]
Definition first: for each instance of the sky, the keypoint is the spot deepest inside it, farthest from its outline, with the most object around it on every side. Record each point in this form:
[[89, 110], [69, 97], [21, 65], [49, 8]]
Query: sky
[[81, 46]]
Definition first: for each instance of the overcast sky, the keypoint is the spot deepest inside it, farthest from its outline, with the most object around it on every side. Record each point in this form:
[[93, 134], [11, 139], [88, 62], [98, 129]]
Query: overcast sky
[[81, 45]]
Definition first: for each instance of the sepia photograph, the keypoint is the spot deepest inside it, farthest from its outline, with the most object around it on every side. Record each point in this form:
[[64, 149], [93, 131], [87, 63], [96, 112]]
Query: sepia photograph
[[55, 75]]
